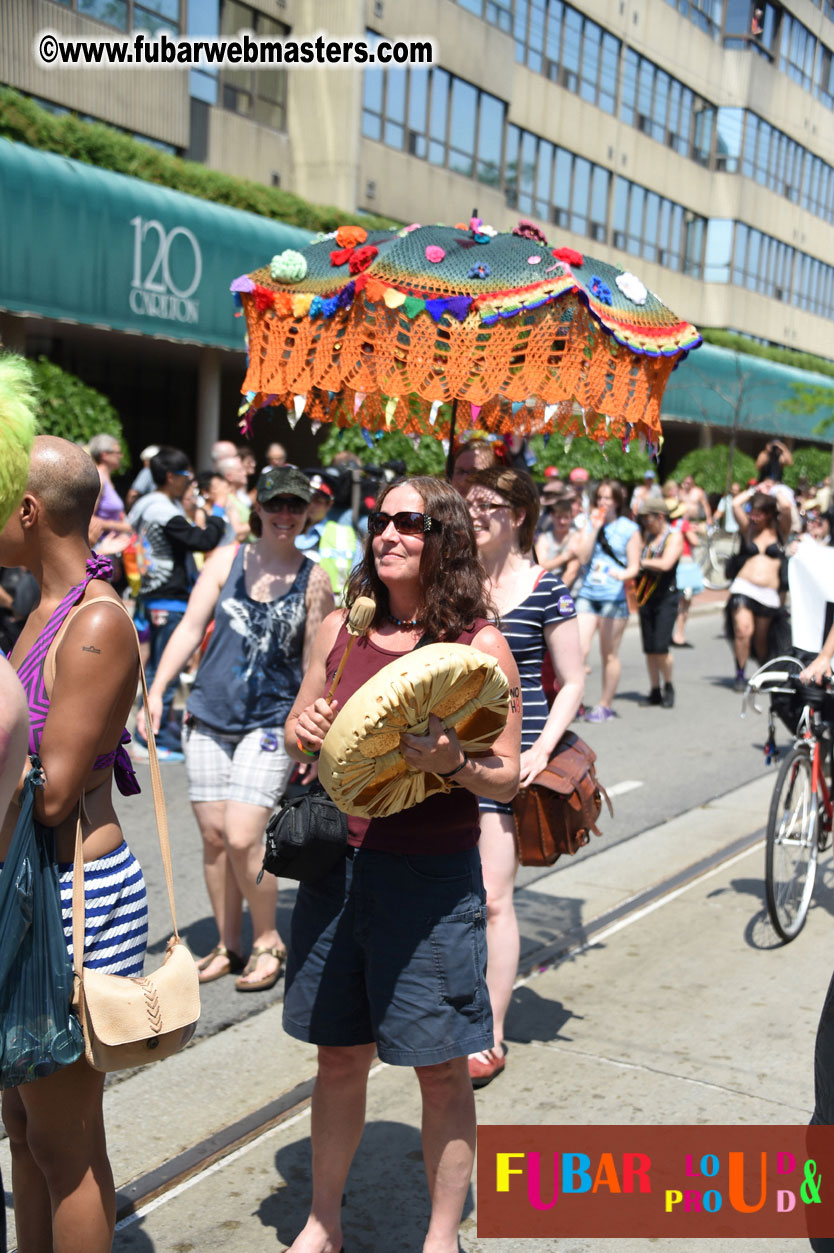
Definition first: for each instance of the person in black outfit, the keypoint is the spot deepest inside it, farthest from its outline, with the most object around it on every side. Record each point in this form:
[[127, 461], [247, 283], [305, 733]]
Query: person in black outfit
[[658, 596], [772, 460], [166, 541]]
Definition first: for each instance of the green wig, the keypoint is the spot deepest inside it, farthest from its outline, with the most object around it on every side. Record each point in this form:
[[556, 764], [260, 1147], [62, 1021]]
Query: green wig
[[18, 401]]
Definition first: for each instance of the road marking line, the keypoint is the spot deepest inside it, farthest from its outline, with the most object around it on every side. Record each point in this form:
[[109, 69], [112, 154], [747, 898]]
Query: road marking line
[[222, 1162], [628, 785]]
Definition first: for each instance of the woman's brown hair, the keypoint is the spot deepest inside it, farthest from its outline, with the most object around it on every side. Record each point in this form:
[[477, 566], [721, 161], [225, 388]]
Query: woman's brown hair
[[519, 490], [452, 580], [617, 491], [767, 504]]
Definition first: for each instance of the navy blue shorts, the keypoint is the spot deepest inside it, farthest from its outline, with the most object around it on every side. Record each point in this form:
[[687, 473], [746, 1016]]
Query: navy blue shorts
[[391, 950]]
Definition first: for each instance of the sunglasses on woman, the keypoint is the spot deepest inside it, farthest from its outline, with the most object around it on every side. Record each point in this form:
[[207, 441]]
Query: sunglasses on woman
[[405, 523], [293, 504]]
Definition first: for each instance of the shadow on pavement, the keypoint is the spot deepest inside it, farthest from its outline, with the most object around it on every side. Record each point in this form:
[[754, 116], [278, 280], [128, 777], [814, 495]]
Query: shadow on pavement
[[386, 1205]]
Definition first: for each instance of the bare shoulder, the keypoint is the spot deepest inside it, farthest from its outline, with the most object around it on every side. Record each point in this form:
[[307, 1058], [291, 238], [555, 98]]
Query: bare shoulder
[[490, 640], [106, 621], [319, 580], [329, 629]]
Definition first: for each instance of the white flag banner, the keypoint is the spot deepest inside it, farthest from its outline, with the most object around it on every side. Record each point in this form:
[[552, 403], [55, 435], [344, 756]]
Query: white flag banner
[[811, 582]]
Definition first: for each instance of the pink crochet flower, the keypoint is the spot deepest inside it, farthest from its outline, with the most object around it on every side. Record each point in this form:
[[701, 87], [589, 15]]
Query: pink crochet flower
[[435, 254]]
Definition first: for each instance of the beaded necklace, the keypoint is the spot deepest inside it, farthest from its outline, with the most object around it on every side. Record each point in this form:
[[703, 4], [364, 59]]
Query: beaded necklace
[[403, 622]]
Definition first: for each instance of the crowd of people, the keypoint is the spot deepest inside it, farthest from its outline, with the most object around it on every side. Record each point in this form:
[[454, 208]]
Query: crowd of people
[[243, 581]]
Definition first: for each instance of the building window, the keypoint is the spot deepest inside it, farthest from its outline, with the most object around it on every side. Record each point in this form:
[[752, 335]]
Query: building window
[[437, 117], [149, 15], [259, 94], [647, 225], [558, 41], [497, 12]]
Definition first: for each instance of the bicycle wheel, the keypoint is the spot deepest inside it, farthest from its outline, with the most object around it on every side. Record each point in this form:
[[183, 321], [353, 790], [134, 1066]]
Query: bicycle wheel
[[791, 860], [716, 551]]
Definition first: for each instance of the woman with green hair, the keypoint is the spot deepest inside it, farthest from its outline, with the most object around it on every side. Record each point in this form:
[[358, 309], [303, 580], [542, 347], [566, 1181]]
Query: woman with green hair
[[17, 430]]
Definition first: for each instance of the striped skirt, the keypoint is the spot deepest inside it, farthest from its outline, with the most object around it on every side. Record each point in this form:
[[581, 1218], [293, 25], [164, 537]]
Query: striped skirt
[[116, 912]]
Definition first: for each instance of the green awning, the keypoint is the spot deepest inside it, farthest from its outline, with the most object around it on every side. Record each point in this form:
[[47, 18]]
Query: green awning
[[90, 246], [720, 388]]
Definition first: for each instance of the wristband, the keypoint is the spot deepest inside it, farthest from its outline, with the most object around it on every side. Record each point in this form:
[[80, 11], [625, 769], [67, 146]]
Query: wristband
[[308, 752], [450, 774]]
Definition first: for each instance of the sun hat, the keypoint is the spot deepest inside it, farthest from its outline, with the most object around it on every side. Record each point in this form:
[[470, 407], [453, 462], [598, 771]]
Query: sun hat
[[147, 453], [654, 504], [283, 481]]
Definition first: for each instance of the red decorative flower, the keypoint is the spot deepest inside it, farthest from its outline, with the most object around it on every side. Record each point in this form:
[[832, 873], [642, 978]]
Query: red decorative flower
[[529, 230], [339, 256], [569, 255], [362, 258], [264, 298]]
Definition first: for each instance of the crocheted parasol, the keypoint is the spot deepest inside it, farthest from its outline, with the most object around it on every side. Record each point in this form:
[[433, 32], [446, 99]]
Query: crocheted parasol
[[419, 328]]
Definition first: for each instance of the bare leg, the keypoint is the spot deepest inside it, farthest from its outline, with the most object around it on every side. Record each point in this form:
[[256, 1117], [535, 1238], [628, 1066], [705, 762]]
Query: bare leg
[[679, 633], [224, 894], [587, 628], [743, 632], [499, 862], [59, 1156], [243, 833], [610, 635], [448, 1148], [337, 1120], [659, 665], [760, 633]]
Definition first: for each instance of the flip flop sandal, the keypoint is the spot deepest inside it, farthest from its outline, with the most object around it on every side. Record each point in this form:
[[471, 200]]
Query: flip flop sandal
[[268, 981], [234, 963]]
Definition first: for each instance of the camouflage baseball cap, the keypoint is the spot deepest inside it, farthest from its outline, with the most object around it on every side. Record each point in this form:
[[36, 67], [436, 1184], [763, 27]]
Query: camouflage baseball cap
[[283, 481]]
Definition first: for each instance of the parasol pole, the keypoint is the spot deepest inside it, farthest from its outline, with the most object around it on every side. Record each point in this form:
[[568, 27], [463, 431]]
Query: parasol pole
[[450, 456]]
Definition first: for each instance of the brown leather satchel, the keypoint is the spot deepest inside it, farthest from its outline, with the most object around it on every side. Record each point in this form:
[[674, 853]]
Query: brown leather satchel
[[130, 1021], [555, 813]]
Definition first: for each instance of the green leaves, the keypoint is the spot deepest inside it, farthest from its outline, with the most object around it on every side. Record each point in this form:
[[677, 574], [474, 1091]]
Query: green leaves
[[71, 409]]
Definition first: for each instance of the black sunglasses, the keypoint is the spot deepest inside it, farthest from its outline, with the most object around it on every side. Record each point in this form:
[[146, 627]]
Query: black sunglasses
[[405, 523], [293, 504]]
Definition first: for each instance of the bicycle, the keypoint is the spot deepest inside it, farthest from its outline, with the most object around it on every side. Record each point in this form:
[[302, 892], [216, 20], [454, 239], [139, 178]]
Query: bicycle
[[713, 552], [799, 822]]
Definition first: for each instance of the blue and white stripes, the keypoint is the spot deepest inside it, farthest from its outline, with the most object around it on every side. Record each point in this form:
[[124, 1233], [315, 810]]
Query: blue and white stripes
[[116, 913]]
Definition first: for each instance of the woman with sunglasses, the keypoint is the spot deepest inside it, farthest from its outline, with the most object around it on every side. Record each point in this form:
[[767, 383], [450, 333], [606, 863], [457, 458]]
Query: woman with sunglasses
[[387, 951], [266, 601], [537, 618]]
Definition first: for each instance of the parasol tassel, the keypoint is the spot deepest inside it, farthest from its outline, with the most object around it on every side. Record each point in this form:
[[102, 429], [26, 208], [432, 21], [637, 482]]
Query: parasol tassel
[[358, 400], [435, 407], [360, 618]]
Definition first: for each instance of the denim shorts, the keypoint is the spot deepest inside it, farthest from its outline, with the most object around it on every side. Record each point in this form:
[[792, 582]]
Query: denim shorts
[[391, 949], [602, 608]]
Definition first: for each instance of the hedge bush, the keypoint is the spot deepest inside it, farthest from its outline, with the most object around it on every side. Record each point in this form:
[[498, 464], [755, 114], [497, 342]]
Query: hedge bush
[[72, 409], [95, 143]]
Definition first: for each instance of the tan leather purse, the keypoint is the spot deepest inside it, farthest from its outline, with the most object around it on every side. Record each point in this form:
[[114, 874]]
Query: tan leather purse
[[130, 1021]]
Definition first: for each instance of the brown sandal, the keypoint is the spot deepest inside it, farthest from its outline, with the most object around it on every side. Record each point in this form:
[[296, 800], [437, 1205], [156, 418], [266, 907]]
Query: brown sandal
[[234, 963], [261, 985]]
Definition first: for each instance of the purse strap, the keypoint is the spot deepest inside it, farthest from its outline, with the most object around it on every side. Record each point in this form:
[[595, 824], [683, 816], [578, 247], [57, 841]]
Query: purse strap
[[78, 899]]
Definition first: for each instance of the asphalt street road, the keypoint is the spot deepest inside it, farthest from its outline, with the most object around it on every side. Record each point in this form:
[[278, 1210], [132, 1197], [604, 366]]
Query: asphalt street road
[[657, 763]]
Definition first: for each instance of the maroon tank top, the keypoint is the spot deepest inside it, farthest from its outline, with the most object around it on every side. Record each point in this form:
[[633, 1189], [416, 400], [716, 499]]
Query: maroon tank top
[[445, 822]]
